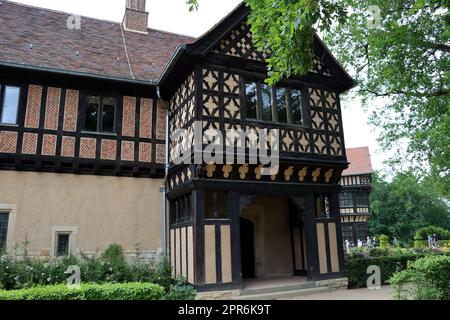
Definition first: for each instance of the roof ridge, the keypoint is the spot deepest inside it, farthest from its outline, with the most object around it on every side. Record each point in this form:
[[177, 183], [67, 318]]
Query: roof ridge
[[90, 18]]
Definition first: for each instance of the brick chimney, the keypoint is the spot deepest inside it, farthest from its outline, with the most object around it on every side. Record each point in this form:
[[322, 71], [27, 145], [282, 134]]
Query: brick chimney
[[136, 18]]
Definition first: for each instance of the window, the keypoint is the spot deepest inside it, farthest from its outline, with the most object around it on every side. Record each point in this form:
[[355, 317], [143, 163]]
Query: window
[[215, 205], [250, 100], [9, 104], [361, 230], [100, 114], [181, 210], [281, 104], [62, 245], [323, 206], [266, 102], [4, 217], [296, 107], [273, 104], [346, 200], [362, 199]]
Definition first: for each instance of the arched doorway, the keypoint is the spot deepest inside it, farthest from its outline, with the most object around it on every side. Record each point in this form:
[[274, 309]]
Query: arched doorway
[[247, 249]]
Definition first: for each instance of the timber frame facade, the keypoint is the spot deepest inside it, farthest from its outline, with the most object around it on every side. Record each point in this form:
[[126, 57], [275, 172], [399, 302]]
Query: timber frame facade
[[354, 203], [226, 222], [206, 82]]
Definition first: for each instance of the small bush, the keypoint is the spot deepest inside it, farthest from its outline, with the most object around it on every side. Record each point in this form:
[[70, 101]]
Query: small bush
[[419, 242], [356, 267], [181, 290], [123, 291], [384, 242], [441, 233], [424, 279]]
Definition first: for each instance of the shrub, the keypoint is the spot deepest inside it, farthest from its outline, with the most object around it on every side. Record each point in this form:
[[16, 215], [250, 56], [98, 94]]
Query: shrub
[[356, 267], [384, 242], [123, 291], [418, 241], [181, 290], [110, 267], [441, 233], [424, 279]]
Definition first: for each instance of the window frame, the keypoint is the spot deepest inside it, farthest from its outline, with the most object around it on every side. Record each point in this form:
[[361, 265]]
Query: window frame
[[349, 199], [365, 195], [274, 110], [8, 218], [101, 96], [3, 85], [58, 234]]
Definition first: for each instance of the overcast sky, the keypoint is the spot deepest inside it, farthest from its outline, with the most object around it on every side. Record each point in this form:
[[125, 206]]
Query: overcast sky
[[174, 16]]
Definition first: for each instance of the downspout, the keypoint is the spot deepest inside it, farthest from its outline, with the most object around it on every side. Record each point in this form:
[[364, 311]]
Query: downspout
[[176, 56], [166, 174]]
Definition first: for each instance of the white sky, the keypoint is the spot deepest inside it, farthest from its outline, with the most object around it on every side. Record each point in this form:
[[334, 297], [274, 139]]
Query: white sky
[[174, 16]]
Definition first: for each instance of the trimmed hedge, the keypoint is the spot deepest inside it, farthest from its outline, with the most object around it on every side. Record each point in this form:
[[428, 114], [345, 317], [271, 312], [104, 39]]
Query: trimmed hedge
[[356, 267], [118, 291]]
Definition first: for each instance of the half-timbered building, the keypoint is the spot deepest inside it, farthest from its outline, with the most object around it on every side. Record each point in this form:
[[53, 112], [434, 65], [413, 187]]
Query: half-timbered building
[[354, 197], [89, 110]]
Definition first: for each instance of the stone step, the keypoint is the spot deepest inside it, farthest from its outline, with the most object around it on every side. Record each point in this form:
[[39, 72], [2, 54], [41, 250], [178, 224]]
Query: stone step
[[278, 288], [280, 295]]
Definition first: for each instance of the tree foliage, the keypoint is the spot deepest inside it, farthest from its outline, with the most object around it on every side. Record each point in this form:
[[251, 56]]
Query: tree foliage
[[402, 68], [403, 206], [400, 61], [286, 28]]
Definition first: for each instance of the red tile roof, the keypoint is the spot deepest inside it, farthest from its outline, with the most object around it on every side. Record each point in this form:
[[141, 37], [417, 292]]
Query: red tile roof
[[40, 37], [359, 159]]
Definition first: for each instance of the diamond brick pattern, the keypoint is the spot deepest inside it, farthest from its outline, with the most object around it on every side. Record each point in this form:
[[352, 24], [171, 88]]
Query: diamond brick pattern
[[239, 43], [71, 111], [32, 114], [333, 122], [319, 67], [145, 125], [210, 80], [29, 143], [68, 147], [335, 146], [129, 116], [145, 152], [88, 148], [320, 144], [127, 152], [160, 122], [231, 83], [52, 108], [8, 142], [49, 145], [108, 149], [160, 153], [330, 100]]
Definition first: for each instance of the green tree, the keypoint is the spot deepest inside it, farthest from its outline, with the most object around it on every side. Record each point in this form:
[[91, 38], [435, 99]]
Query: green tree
[[402, 69], [404, 205], [400, 60]]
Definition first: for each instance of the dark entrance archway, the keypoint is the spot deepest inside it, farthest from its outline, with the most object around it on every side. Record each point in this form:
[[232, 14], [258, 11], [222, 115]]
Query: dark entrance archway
[[247, 249]]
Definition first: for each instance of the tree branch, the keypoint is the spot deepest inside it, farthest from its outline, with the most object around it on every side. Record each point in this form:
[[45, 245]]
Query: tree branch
[[438, 93]]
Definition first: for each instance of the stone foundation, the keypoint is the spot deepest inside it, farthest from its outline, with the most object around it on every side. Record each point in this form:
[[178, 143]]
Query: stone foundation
[[217, 295], [333, 284]]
